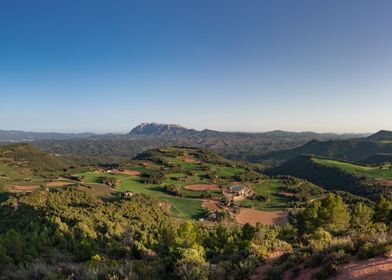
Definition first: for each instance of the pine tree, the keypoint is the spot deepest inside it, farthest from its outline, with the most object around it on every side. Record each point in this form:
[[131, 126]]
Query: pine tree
[[361, 217], [383, 210]]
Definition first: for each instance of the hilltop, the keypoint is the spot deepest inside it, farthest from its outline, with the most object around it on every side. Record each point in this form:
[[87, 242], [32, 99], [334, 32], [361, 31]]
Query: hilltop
[[381, 135], [159, 129]]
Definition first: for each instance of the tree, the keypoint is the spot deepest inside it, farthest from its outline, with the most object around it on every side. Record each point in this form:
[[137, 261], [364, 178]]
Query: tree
[[174, 190], [383, 210], [333, 214], [5, 260], [13, 245], [330, 213], [155, 177], [320, 239], [187, 235], [248, 232], [111, 181], [361, 216], [191, 264]]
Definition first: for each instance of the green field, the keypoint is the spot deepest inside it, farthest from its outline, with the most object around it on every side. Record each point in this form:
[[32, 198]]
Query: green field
[[271, 188], [11, 175], [375, 172], [94, 177], [182, 207]]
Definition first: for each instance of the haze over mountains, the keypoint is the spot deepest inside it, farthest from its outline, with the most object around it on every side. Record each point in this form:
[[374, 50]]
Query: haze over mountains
[[235, 145], [160, 129], [27, 136]]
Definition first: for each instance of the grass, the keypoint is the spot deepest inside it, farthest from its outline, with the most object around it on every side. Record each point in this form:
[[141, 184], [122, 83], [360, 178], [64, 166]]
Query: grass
[[94, 177], [182, 207], [185, 208], [14, 176], [135, 185], [183, 164], [228, 171], [11, 173], [374, 172], [271, 188]]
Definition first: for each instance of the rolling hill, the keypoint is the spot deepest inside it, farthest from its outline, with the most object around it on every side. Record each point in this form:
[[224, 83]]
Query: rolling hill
[[358, 150], [382, 135], [184, 178], [368, 181]]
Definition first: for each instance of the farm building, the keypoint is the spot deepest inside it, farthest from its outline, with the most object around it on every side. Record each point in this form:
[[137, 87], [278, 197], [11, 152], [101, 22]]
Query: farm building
[[238, 190]]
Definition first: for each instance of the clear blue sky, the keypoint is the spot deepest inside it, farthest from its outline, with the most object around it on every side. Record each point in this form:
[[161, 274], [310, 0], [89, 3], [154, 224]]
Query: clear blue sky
[[105, 66]]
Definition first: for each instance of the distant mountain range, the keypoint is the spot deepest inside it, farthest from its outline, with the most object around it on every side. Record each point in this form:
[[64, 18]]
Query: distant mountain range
[[159, 129], [234, 145], [26, 136], [273, 145]]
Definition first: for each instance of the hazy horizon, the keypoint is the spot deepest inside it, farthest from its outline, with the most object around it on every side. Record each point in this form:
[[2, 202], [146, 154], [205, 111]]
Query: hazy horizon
[[252, 66], [199, 129]]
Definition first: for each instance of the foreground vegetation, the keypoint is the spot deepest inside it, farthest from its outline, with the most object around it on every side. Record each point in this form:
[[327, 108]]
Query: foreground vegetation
[[139, 219], [64, 232]]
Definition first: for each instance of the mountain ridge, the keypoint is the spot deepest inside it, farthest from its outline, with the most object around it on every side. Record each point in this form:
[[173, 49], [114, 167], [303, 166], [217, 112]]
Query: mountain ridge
[[28, 136]]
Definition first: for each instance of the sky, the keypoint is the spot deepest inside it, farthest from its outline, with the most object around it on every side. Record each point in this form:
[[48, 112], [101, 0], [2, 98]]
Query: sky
[[106, 66]]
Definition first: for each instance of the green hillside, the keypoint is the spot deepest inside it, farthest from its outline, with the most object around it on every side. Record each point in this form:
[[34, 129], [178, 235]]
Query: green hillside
[[359, 180], [24, 165], [375, 172], [350, 150]]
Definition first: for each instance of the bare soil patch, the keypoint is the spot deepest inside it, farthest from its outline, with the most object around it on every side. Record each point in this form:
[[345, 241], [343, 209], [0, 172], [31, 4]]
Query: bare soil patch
[[18, 188], [57, 184], [165, 205], [253, 216], [129, 172], [266, 266], [211, 205], [188, 159], [202, 187], [307, 273], [379, 268], [387, 183], [286, 194], [99, 190]]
